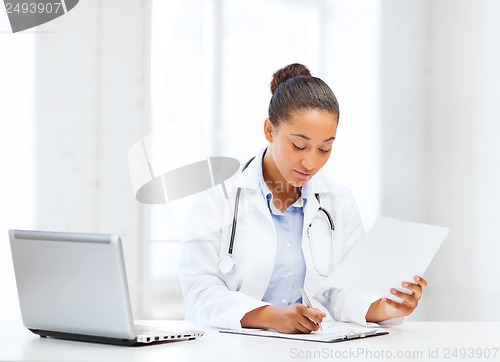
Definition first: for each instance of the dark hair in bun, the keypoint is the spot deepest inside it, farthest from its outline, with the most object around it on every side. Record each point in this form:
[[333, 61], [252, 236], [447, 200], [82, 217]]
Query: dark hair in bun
[[294, 88]]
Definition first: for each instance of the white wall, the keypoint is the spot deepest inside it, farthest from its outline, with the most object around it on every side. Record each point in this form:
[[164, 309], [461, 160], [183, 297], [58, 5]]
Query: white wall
[[404, 72], [17, 181], [440, 156], [463, 165], [92, 105], [404, 88]]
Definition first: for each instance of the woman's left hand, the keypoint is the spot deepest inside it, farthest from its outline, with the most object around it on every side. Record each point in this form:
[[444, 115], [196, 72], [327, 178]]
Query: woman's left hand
[[385, 308]]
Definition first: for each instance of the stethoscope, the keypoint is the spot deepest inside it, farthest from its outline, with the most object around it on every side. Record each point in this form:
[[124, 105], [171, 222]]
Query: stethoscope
[[227, 263]]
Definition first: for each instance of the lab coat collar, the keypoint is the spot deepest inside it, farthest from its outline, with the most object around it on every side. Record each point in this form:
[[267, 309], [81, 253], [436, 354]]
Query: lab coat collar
[[249, 179]]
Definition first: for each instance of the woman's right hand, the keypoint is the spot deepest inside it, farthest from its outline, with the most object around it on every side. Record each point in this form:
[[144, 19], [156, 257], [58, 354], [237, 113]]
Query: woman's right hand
[[295, 318]]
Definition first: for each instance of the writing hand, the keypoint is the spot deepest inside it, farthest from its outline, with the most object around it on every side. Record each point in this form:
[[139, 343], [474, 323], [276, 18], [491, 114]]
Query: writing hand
[[295, 318]]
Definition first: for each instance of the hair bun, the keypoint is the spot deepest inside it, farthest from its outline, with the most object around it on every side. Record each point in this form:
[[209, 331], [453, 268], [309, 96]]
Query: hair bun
[[288, 72]]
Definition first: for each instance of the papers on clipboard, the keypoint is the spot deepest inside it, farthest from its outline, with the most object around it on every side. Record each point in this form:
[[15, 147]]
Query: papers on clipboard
[[332, 332], [392, 252]]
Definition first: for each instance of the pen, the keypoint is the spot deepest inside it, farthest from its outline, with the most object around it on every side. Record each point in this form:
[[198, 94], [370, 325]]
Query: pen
[[308, 304]]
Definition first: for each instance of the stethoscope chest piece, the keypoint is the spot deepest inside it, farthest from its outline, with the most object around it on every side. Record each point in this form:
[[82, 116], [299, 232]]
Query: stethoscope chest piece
[[226, 264]]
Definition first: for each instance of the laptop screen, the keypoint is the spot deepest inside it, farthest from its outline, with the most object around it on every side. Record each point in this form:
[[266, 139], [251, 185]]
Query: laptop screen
[[72, 283]]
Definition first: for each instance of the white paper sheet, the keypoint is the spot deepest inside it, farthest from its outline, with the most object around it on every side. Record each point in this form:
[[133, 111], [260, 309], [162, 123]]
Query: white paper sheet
[[392, 252]]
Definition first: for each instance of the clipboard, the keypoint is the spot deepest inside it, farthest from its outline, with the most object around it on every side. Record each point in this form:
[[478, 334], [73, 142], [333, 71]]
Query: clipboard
[[332, 332]]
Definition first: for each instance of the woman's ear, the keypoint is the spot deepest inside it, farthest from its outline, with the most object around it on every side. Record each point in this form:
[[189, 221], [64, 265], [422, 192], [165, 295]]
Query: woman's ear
[[268, 130]]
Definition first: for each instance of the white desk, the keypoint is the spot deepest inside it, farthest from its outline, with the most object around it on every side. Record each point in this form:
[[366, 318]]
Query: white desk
[[415, 341]]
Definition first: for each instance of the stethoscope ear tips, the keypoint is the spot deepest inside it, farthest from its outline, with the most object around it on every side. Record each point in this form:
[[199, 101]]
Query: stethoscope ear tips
[[226, 264]]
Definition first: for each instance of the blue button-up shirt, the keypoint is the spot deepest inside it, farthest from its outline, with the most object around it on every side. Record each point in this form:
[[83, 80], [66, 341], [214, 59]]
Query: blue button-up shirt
[[289, 266]]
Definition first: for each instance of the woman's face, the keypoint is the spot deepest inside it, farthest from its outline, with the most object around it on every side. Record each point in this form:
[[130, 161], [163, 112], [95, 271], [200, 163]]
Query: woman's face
[[301, 145]]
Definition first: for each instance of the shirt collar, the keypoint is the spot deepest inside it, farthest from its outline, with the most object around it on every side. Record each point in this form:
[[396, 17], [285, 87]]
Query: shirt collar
[[299, 203]]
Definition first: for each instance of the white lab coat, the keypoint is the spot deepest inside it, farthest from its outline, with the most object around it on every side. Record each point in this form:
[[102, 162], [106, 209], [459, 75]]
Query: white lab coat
[[222, 300]]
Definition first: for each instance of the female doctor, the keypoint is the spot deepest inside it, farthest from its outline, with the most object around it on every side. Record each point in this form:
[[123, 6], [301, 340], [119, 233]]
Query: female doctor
[[296, 226]]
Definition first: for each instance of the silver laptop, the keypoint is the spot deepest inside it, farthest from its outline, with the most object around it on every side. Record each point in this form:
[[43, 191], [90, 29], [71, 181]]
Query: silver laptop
[[74, 286]]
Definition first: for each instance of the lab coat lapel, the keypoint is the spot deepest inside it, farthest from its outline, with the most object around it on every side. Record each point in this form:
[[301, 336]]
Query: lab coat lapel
[[309, 211], [260, 233], [262, 239]]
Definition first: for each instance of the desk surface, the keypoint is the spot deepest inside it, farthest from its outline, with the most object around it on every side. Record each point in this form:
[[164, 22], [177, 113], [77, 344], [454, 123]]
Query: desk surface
[[412, 341]]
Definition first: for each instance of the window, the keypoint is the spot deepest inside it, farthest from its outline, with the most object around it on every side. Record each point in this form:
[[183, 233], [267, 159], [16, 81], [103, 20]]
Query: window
[[17, 152], [212, 62]]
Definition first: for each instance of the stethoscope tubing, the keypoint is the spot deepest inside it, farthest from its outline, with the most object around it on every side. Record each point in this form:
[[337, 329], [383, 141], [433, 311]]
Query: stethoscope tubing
[[227, 263]]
